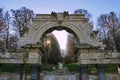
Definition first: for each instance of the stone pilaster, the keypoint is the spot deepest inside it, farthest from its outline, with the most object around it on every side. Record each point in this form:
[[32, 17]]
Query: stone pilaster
[[35, 69], [83, 70], [101, 71], [24, 76], [42, 76], [17, 71]]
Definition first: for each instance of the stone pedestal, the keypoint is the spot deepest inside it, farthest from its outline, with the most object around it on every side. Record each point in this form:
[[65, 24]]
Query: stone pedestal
[[24, 76], [42, 76], [60, 65], [83, 70], [77, 76], [101, 71]]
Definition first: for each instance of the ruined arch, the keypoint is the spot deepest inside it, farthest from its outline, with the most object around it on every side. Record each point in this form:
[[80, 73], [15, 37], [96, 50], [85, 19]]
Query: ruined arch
[[50, 26], [77, 25], [77, 41]]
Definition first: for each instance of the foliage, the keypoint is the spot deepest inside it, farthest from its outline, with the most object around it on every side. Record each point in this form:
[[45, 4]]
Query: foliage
[[7, 68], [92, 69], [93, 34], [26, 68], [48, 67], [111, 69], [54, 14], [72, 67], [65, 13], [70, 56], [10, 68], [52, 48], [86, 13]]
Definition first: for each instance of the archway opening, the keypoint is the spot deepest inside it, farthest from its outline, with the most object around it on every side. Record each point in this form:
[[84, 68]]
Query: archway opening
[[59, 43], [61, 28]]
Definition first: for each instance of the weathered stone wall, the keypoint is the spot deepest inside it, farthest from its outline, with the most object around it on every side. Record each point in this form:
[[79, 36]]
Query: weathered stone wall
[[20, 56], [98, 57]]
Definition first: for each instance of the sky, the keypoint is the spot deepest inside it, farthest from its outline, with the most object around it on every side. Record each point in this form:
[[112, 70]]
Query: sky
[[95, 7], [61, 37]]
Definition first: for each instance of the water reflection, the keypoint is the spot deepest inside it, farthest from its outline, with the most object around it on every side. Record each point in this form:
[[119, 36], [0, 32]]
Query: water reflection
[[60, 77]]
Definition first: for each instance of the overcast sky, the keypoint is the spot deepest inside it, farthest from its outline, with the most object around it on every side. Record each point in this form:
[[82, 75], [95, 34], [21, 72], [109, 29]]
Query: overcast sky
[[95, 7]]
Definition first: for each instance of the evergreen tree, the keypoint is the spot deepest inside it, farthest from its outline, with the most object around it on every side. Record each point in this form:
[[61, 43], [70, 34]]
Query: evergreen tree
[[53, 53], [70, 57]]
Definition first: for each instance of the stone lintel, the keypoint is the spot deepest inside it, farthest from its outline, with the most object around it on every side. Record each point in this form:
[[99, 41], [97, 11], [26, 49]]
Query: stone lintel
[[60, 16], [93, 57], [100, 61]]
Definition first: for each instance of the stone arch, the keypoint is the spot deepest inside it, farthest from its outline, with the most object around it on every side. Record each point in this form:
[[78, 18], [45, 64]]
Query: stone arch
[[48, 25]]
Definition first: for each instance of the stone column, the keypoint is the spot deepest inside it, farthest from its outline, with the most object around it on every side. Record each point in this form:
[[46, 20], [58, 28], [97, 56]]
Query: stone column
[[17, 70], [101, 71], [22, 73], [24, 76], [42, 76], [83, 70], [35, 69]]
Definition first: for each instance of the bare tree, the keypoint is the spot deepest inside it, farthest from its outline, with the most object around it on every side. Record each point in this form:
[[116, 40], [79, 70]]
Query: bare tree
[[22, 17], [5, 36], [7, 27], [109, 30], [1, 19], [2, 29]]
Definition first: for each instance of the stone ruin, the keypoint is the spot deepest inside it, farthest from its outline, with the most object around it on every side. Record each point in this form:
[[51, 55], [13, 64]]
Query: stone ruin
[[87, 47]]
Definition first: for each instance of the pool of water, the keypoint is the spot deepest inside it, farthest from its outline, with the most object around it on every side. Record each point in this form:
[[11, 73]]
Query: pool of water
[[60, 77]]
